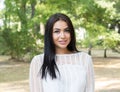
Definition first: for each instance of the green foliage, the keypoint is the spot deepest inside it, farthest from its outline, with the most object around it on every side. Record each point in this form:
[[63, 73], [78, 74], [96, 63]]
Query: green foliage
[[3, 47], [111, 40], [20, 43], [22, 20]]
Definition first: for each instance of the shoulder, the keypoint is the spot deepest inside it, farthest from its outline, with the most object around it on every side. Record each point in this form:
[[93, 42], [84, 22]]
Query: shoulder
[[36, 63], [84, 54], [37, 60], [85, 57]]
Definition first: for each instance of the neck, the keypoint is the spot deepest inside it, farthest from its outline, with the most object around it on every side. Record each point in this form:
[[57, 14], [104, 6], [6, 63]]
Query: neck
[[63, 51]]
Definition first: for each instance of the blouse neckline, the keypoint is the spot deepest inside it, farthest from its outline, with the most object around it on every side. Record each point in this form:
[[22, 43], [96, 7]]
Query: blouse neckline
[[70, 54]]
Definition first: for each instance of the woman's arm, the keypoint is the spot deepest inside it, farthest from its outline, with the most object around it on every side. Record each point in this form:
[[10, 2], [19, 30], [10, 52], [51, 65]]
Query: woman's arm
[[90, 75], [35, 81]]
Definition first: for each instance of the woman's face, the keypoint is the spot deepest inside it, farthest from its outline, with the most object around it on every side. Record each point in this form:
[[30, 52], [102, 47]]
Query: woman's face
[[61, 34]]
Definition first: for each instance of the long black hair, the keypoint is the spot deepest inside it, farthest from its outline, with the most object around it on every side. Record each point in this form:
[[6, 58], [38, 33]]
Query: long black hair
[[49, 64]]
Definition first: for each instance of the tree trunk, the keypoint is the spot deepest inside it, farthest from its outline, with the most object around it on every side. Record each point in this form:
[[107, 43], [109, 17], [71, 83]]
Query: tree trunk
[[105, 53], [33, 10], [89, 51], [33, 4]]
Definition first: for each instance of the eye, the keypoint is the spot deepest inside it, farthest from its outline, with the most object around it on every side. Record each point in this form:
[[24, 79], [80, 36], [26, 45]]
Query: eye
[[56, 31], [67, 30]]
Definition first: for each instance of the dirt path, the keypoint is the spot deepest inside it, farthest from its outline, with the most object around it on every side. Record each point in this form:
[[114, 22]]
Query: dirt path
[[107, 77], [14, 86], [17, 86], [107, 74]]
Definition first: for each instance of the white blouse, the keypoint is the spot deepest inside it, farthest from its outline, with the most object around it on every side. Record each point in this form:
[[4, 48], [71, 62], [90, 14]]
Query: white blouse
[[76, 74]]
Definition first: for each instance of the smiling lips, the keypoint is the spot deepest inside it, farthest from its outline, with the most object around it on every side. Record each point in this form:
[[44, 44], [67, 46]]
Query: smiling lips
[[62, 42]]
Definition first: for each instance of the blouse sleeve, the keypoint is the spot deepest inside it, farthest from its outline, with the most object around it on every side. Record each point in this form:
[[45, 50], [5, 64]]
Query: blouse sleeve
[[90, 75], [35, 82]]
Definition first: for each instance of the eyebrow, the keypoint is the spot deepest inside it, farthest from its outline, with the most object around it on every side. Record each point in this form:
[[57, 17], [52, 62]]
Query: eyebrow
[[56, 28], [59, 29]]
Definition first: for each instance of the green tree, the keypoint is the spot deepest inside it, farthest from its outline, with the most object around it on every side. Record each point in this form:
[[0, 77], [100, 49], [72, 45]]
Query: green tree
[[110, 40], [22, 19], [17, 32]]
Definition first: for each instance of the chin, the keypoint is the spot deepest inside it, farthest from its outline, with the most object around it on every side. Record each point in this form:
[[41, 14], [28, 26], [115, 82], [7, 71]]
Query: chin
[[63, 47]]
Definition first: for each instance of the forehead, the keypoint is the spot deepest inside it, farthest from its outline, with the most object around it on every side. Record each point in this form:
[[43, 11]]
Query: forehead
[[60, 24]]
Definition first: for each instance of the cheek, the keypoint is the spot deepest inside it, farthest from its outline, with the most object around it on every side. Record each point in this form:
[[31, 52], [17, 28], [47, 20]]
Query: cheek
[[55, 37], [69, 37]]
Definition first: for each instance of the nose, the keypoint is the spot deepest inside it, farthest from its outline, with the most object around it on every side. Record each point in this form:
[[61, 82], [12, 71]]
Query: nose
[[62, 35]]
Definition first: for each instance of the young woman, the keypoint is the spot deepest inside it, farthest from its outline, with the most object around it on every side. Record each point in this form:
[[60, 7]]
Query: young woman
[[61, 68]]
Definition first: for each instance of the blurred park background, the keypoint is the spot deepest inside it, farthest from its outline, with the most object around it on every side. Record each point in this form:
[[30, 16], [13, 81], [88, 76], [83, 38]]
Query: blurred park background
[[97, 27]]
